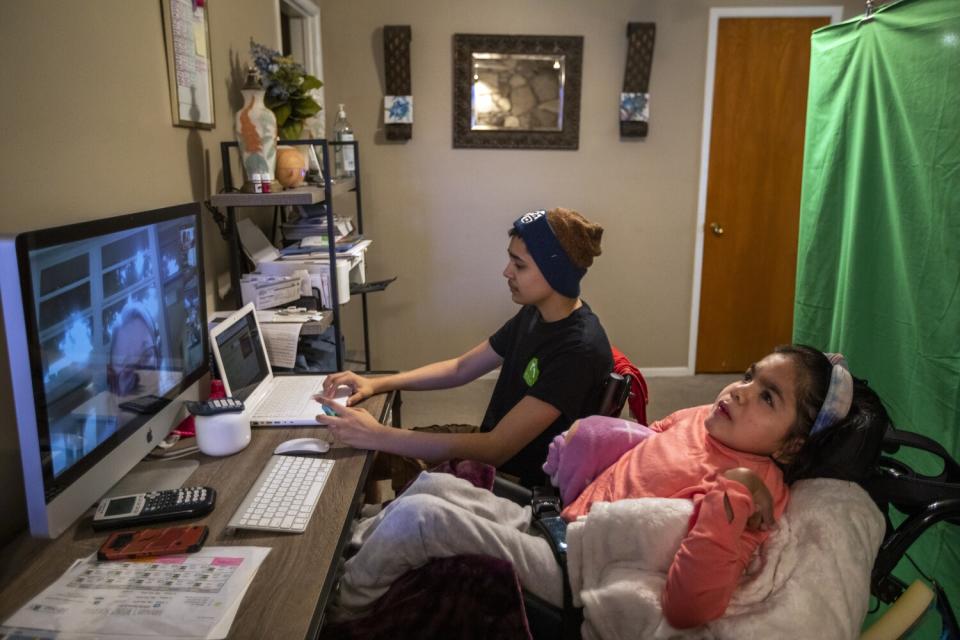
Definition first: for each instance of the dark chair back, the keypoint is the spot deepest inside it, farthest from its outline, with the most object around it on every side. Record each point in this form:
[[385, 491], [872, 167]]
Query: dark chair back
[[615, 394]]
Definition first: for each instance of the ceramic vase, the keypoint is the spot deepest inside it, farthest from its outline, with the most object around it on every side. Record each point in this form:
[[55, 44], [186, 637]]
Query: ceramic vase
[[256, 131]]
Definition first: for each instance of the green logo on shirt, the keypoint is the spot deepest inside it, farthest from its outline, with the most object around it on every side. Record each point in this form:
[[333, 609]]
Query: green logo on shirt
[[532, 372]]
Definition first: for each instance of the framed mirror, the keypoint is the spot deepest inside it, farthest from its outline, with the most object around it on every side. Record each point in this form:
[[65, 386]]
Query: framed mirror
[[516, 92]]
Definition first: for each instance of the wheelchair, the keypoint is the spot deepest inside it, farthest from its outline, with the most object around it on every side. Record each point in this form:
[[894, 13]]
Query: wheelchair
[[925, 500]]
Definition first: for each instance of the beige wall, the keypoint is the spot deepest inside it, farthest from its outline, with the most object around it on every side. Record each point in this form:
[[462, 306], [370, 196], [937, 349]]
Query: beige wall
[[439, 215], [87, 133]]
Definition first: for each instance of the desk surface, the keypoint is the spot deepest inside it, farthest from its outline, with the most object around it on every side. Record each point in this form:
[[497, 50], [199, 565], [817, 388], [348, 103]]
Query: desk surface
[[290, 591]]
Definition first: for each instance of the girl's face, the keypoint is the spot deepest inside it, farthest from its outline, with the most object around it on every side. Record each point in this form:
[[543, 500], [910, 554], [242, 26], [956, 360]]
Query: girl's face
[[526, 282], [756, 414]]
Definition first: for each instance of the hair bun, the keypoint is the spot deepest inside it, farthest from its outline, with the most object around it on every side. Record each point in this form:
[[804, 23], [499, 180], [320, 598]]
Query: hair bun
[[579, 237]]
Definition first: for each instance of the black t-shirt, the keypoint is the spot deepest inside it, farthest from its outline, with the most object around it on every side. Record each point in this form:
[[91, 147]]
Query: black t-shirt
[[564, 363]]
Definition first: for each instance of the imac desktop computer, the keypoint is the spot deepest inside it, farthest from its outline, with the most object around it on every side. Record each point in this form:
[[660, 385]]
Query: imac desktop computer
[[106, 331]]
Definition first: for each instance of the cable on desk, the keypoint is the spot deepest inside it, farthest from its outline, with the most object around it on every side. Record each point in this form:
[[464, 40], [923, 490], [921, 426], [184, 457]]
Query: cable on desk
[[172, 455]]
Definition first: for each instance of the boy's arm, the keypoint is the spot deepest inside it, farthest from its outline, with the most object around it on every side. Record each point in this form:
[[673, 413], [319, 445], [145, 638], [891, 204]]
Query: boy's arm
[[527, 419], [438, 375]]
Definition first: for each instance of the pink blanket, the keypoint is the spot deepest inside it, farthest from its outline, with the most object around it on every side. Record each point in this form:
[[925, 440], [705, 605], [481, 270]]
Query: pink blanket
[[598, 442]]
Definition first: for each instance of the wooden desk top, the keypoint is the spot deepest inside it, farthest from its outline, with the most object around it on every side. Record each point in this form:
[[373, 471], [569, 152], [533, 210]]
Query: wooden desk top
[[288, 596]]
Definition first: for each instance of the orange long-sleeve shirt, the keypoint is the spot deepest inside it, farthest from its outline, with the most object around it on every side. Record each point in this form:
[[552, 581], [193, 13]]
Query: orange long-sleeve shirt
[[684, 461]]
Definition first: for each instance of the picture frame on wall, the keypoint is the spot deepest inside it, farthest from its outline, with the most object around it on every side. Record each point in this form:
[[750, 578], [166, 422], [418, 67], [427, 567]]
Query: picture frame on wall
[[516, 91], [187, 40]]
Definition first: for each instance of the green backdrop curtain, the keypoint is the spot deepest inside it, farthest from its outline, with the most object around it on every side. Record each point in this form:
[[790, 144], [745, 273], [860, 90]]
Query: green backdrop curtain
[[878, 272]]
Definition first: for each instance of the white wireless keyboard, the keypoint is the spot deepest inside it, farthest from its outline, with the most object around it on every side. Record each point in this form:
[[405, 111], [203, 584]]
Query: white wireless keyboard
[[284, 496]]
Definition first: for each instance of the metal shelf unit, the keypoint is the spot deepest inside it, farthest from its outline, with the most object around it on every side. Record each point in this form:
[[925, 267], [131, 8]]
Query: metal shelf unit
[[230, 200]]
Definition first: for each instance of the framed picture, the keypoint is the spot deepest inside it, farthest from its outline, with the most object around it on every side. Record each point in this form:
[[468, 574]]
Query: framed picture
[[516, 92], [187, 37]]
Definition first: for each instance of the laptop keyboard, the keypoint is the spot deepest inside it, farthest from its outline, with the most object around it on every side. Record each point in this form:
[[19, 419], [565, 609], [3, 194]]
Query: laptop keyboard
[[284, 496], [287, 400]]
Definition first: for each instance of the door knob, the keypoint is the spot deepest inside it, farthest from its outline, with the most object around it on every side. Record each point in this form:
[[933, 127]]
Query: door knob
[[716, 228]]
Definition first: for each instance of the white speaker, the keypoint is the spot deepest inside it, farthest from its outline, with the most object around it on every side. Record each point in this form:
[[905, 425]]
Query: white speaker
[[222, 434]]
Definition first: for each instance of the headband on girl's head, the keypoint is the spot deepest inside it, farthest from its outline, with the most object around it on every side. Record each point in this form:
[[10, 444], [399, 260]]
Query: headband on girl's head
[[836, 405], [554, 263]]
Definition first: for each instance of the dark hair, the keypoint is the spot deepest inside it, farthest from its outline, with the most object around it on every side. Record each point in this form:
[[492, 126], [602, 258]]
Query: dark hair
[[847, 450], [118, 382]]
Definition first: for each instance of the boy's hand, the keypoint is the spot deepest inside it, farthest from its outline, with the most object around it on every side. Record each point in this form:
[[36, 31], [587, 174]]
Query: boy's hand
[[360, 388], [354, 427], [762, 517]]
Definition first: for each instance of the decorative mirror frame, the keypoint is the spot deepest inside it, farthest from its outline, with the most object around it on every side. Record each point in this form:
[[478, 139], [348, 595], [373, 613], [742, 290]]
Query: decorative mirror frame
[[466, 44]]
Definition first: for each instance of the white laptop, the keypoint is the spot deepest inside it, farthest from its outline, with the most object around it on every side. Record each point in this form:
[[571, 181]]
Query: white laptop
[[270, 401]]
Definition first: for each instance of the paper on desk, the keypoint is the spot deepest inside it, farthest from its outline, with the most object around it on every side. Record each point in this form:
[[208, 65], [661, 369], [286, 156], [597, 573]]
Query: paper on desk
[[220, 630], [184, 596], [281, 338]]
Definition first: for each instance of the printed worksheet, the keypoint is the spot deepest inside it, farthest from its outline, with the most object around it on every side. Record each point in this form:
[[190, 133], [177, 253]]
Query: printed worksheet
[[179, 596]]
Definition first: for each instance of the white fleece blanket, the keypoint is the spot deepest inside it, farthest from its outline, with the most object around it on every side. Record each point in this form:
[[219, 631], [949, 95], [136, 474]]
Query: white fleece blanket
[[810, 579]]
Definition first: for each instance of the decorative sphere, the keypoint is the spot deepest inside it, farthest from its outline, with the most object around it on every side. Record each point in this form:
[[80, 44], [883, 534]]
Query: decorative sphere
[[291, 167]]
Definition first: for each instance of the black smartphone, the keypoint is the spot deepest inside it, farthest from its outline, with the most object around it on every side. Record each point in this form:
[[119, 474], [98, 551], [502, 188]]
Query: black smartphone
[[145, 404]]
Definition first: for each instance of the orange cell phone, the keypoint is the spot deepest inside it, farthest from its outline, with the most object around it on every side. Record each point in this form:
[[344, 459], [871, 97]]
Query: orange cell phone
[[143, 543]]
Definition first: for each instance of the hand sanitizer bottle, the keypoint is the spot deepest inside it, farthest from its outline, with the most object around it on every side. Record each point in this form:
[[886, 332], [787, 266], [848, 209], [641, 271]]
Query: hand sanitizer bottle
[[343, 157]]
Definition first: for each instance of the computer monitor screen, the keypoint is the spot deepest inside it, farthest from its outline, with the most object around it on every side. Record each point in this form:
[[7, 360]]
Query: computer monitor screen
[[112, 320]]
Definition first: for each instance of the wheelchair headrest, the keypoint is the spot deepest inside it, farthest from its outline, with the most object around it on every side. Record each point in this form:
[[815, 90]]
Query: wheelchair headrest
[[896, 482]]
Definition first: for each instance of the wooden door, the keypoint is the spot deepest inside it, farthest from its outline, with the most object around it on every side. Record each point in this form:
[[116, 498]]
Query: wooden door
[[753, 189]]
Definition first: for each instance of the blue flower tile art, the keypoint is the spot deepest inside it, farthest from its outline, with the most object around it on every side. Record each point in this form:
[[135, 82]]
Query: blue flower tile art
[[397, 109], [634, 107]]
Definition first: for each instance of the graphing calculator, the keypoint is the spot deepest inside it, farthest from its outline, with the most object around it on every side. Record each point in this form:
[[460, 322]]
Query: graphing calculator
[[156, 506]]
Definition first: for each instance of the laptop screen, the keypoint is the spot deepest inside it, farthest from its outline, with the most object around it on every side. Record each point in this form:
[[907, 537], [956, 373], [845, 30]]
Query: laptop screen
[[241, 352]]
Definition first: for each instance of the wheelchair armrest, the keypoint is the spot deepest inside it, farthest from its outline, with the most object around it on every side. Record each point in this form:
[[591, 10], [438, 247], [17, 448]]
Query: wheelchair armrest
[[882, 584], [511, 491]]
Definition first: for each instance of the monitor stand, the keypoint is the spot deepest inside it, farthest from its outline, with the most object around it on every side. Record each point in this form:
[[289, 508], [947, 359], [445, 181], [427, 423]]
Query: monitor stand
[[154, 475]]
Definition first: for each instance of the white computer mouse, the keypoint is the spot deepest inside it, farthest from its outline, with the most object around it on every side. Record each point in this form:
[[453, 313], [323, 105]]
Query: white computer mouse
[[301, 446]]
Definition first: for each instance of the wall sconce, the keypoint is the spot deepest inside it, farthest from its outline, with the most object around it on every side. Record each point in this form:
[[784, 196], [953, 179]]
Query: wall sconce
[[398, 101], [635, 98]]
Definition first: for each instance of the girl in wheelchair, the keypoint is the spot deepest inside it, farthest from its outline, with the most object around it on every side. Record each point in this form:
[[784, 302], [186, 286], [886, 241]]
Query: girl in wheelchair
[[795, 414]]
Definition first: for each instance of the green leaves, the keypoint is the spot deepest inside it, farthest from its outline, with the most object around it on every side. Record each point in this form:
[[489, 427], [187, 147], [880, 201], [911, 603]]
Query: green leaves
[[288, 87], [291, 130], [282, 111], [290, 115], [310, 82], [305, 107]]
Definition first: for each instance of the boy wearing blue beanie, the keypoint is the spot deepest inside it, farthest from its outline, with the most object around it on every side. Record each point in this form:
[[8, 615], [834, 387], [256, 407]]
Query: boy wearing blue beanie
[[553, 355]]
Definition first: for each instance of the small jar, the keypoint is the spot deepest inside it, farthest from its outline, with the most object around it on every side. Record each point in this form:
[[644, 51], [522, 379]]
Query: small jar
[[265, 180], [257, 180]]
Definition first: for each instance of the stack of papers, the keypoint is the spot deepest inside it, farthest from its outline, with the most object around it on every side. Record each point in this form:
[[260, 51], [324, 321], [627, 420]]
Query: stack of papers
[[269, 261], [319, 245], [181, 596], [304, 227]]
